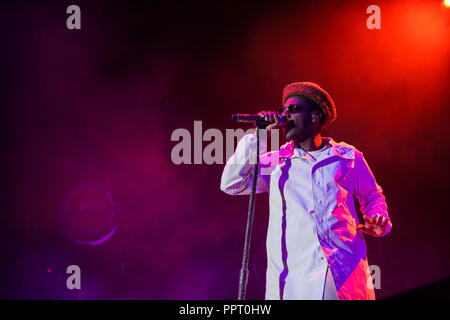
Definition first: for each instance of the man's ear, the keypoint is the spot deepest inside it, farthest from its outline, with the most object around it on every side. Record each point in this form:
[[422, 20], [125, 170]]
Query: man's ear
[[316, 116]]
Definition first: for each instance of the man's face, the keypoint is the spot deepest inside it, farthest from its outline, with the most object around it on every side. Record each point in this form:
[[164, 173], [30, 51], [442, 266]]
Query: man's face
[[300, 125]]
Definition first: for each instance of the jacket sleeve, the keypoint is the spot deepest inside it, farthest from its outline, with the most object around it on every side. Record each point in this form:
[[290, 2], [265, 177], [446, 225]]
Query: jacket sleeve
[[369, 193], [237, 173]]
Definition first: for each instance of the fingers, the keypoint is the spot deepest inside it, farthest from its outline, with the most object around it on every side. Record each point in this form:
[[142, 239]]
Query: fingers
[[270, 116], [368, 220], [360, 226], [384, 222], [378, 219], [374, 226], [363, 228], [277, 120]]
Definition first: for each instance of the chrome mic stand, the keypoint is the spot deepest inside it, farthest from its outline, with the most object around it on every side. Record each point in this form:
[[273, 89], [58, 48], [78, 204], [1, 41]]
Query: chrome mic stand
[[243, 279]]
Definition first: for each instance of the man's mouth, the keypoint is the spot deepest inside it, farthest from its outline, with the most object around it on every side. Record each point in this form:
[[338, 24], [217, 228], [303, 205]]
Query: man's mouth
[[289, 126]]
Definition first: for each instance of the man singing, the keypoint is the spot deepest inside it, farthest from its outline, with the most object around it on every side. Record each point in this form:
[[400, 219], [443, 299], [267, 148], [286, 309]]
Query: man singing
[[315, 246]]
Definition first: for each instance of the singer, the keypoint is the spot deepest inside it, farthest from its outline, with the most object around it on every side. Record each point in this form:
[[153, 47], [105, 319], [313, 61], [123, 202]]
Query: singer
[[315, 246]]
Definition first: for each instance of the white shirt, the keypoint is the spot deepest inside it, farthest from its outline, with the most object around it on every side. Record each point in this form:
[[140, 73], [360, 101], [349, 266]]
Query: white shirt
[[312, 220]]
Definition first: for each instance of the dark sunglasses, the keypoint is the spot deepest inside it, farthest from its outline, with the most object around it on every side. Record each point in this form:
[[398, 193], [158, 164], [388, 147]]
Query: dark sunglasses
[[292, 108]]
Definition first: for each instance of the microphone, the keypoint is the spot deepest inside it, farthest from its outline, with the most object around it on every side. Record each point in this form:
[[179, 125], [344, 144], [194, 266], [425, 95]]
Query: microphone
[[242, 117]]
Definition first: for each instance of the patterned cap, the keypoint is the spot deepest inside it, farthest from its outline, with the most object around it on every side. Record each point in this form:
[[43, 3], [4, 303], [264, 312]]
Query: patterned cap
[[314, 92]]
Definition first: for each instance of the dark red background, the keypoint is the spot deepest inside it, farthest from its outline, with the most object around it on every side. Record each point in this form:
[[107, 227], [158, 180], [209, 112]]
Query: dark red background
[[98, 105]]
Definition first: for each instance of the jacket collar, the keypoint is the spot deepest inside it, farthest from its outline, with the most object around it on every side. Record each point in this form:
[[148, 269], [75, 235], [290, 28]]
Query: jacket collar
[[341, 149]]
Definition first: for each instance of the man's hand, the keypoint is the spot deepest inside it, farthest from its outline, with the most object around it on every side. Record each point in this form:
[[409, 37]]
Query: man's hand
[[374, 227], [271, 116]]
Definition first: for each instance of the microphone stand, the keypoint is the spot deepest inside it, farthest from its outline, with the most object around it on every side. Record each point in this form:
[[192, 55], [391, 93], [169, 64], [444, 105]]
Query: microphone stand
[[243, 279]]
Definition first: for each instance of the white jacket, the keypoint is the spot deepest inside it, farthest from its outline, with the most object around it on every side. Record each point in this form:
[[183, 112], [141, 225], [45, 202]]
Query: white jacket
[[312, 221]]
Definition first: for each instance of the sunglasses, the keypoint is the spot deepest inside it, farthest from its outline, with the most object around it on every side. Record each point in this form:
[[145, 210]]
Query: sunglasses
[[292, 108]]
